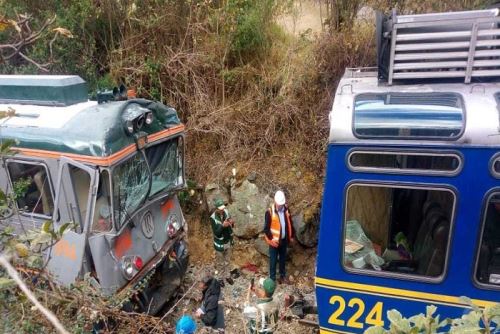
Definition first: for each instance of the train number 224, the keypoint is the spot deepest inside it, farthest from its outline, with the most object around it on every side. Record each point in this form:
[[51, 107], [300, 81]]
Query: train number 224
[[373, 318]]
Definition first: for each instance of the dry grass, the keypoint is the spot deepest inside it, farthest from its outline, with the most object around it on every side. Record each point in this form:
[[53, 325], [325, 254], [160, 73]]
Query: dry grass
[[268, 115]]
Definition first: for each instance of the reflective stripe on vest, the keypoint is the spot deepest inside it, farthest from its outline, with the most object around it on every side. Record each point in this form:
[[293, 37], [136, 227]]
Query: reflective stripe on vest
[[219, 241], [275, 227]]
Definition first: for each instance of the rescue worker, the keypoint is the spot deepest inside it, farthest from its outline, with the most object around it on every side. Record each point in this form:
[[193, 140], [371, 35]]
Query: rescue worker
[[262, 318], [222, 228], [278, 233], [210, 312]]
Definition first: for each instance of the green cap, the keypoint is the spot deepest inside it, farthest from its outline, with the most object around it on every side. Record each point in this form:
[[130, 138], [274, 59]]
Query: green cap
[[219, 204], [268, 285]]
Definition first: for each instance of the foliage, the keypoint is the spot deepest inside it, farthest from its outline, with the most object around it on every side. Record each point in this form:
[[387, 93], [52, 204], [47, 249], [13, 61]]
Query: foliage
[[94, 27], [476, 320]]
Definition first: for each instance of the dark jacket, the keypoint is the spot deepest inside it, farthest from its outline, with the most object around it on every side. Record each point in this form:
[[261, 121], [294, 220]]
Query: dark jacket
[[267, 224], [210, 302]]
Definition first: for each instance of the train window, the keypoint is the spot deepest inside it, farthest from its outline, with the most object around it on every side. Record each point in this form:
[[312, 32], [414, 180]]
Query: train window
[[31, 188], [488, 263], [103, 215], [405, 162], [397, 230], [408, 115]]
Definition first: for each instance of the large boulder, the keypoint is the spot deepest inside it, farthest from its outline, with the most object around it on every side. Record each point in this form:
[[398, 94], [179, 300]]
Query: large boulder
[[213, 191], [306, 227], [261, 246], [248, 209]]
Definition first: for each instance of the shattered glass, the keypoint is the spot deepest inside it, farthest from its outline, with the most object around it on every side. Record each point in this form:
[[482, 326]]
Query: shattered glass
[[131, 185], [165, 162]]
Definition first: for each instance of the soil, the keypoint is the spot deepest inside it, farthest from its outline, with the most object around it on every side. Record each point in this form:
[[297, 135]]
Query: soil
[[300, 267]]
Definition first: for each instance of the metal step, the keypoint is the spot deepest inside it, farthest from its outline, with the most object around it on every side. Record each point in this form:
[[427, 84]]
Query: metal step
[[444, 45]]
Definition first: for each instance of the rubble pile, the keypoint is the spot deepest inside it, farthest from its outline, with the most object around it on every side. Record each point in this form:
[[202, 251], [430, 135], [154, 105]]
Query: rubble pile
[[234, 296], [247, 205]]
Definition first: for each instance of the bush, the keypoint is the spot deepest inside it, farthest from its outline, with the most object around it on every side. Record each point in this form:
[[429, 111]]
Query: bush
[[476, 320]]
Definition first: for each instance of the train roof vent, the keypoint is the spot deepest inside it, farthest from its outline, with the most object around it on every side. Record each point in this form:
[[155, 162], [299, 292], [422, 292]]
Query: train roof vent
[[460, 46], [46, 90]]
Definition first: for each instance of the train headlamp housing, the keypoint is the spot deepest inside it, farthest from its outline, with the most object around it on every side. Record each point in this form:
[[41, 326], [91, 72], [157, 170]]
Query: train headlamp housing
[[135, 118]]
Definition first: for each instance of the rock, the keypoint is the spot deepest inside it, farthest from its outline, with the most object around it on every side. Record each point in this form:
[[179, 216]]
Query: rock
[[247, 209], [213, 191], [252, 177], [306, 230], [261, 246]]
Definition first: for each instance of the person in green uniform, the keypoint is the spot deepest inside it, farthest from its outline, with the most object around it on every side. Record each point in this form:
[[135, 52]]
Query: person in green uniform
[[222, 228], [262, 317]]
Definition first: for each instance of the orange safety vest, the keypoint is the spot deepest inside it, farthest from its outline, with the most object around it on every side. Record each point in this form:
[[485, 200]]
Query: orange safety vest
[[276, 225]]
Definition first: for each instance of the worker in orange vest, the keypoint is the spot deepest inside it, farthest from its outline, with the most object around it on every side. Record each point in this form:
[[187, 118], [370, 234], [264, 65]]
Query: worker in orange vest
[[278, 233]]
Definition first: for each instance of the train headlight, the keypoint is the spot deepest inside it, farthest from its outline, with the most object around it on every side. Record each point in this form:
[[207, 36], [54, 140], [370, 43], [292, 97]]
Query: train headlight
[[127, 268], [135, 117], [129, 127], [149, 118], [173, 225]]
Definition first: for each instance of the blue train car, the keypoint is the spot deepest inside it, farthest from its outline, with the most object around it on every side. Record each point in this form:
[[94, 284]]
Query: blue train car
[[411, 207]]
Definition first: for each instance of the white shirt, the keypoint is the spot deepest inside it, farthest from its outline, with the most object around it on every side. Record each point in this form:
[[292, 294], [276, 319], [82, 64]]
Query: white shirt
[[281, 214]]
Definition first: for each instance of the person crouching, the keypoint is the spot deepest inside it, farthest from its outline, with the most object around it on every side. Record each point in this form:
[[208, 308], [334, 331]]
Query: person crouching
[[262, 316]]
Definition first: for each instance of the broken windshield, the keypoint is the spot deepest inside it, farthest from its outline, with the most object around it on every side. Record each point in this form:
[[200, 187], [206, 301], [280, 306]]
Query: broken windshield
[[131, 179], [165, 161], [130, 186]]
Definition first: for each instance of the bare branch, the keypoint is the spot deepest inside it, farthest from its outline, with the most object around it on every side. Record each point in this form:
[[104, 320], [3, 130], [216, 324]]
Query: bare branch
[[41, 67], [26, 37]]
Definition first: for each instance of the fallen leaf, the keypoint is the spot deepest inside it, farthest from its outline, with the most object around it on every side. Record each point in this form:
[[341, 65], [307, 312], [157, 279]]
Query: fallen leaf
[[21, 249], [15, 25], [63, 31]]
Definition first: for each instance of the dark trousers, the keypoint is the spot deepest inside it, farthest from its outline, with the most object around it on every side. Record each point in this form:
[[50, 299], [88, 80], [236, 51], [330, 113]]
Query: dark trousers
[[276, 254]]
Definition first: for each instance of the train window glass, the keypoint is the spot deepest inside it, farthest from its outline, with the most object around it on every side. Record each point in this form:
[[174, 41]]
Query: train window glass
[[488, 263], [31, 188], [409, 115], [103, 215], [396, 230], [403, 162]]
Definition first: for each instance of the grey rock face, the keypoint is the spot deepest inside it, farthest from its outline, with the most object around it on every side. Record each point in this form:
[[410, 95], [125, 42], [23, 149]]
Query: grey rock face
[[213, 191], [248, 209], [261, 246], [306, 232]]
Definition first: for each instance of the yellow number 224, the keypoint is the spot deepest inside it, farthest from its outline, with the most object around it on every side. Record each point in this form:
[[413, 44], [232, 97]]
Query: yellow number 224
[[374, 317]]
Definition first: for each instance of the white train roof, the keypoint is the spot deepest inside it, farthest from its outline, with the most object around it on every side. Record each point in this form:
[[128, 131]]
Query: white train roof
[[469, 114]]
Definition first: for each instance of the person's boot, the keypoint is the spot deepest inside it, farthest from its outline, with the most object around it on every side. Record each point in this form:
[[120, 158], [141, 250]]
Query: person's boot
[[230, 280]]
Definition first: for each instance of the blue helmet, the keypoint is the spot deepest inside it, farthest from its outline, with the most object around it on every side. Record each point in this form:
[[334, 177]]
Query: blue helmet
[[185, 325]]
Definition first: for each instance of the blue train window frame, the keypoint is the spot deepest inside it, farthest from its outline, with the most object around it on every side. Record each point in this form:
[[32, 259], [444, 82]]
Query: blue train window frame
[[391, 274], [456, 163], [484, 214], [414, 116]]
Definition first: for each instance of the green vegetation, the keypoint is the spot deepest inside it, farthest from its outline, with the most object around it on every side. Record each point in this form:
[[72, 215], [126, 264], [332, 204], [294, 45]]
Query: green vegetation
[[476, 320]]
